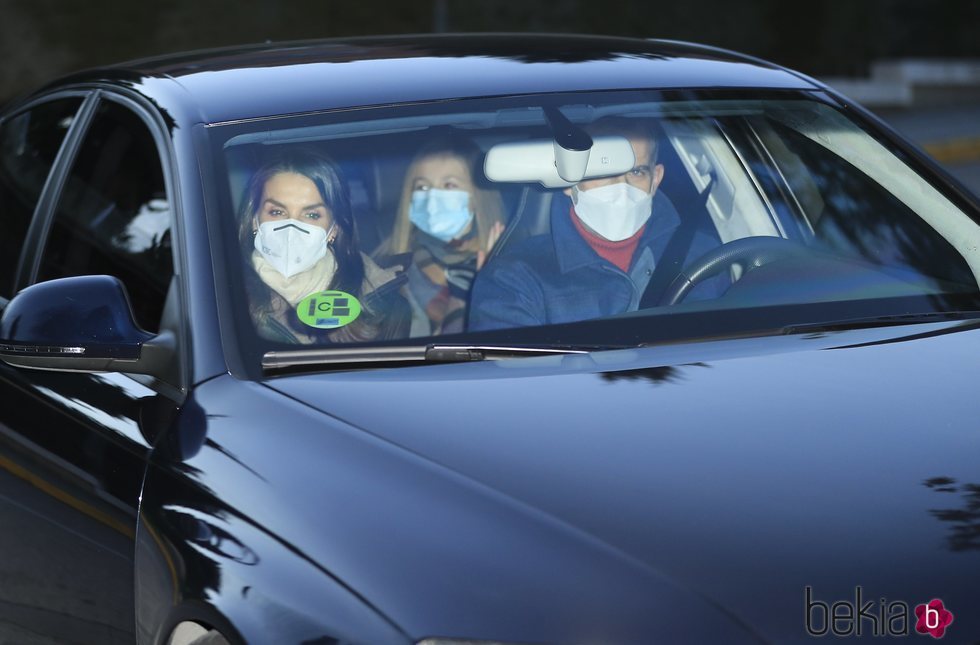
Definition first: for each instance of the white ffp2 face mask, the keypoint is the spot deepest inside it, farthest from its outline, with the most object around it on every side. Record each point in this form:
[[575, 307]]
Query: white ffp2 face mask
[[291, 246], [615, 211]]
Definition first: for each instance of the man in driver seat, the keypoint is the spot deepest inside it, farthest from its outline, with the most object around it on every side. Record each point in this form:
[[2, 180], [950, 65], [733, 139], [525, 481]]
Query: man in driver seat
[[602, 251]]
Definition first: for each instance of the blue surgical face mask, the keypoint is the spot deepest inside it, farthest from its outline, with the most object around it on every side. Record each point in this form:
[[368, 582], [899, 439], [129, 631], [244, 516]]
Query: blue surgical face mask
[[443, 214]]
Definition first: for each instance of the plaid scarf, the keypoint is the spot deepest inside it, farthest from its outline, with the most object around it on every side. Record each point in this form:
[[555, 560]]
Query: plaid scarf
[[456, 263]]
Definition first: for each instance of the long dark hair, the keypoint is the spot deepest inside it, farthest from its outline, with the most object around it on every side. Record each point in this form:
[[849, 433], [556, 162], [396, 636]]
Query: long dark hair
[[330, 183]]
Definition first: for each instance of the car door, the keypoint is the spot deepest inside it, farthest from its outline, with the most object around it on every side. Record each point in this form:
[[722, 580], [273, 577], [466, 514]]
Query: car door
[[73, 447]]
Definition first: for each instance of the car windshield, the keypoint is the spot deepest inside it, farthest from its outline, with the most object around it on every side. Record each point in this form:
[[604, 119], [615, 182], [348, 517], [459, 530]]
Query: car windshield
[[586, 220]]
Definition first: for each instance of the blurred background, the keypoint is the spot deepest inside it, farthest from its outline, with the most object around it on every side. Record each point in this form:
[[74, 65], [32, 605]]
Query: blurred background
[[915, 62]]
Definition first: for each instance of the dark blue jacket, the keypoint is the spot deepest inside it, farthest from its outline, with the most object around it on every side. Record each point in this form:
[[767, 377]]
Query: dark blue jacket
[[557, 277]]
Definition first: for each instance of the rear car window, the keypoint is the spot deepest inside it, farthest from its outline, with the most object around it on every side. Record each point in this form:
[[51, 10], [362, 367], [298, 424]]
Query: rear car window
[[29, 145], [113, 216]]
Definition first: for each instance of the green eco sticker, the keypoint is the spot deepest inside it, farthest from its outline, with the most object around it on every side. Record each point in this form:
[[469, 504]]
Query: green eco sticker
[[328, 309]]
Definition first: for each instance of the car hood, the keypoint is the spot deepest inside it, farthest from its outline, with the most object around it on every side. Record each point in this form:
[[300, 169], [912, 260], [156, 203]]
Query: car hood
[[742, 471]]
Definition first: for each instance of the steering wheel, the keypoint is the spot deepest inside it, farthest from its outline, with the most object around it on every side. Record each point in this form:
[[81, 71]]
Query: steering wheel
[[747, 252]]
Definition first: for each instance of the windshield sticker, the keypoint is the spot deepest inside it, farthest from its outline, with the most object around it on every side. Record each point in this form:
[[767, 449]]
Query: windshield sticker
[[328, 309]]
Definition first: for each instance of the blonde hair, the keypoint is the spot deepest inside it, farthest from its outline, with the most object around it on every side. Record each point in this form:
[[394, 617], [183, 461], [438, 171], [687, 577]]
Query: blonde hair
[[487, 206]]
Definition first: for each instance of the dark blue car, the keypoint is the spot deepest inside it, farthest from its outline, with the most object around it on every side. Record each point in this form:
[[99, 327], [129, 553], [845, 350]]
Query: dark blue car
[[481, 339]]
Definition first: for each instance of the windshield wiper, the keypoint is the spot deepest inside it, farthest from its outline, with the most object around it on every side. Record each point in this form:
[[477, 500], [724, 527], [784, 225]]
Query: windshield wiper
[[882, 321], [434, 353]]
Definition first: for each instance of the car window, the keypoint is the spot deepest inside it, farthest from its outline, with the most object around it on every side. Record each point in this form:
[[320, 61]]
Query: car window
[[29, 144], [113, 216], [856, 216], [734, 203]]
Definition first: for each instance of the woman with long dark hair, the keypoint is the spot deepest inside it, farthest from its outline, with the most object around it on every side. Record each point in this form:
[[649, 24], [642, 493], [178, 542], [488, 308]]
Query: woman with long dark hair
[[298, 238]]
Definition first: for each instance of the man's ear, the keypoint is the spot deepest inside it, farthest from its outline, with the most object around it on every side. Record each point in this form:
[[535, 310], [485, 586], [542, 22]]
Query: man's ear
[[658, 176]]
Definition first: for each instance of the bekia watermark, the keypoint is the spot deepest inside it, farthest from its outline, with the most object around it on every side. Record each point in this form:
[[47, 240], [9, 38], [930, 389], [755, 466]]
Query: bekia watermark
[[844, 618]]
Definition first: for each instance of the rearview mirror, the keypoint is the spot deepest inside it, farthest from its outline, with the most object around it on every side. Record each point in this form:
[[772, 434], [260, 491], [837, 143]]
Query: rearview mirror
[[80, 324], [546, 162]]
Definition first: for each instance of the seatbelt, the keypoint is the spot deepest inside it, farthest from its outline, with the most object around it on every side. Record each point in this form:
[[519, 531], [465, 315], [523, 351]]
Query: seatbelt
[[672, 262]]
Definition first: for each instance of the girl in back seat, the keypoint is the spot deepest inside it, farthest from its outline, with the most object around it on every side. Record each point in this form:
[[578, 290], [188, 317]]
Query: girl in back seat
[[448, 223]]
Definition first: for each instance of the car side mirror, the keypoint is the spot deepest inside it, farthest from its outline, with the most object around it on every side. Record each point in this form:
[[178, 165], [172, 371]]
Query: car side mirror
[[80, 324]]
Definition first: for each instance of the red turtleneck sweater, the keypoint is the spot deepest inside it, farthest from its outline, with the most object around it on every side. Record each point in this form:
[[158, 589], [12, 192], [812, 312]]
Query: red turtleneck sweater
[[619, 253]]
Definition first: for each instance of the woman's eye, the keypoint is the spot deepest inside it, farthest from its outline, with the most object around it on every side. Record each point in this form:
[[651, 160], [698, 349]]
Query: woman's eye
[[422, 187], [313, 215], [275, 212], [451, 185]]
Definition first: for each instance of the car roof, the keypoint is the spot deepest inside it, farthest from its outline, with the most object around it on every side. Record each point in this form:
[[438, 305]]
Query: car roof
[[271, 79]]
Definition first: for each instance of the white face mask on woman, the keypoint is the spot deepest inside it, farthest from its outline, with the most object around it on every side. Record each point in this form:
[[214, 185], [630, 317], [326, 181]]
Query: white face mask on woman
[[293, 259], [615, 211], [291, 246]]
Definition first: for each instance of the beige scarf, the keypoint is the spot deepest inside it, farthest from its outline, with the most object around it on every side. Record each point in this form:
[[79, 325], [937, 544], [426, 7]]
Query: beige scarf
[[294, 289]]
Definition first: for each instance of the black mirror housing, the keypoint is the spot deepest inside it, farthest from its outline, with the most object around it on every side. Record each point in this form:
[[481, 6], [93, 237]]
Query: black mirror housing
[[82, 323]]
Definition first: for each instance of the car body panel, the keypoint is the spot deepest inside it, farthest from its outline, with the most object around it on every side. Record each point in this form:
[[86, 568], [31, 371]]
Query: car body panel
[[72, 457], [746, 472], [271, 80], [431, 550]]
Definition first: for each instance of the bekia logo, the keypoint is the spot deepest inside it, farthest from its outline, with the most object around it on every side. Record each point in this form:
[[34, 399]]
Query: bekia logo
[[883, 618], [933, 618]]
